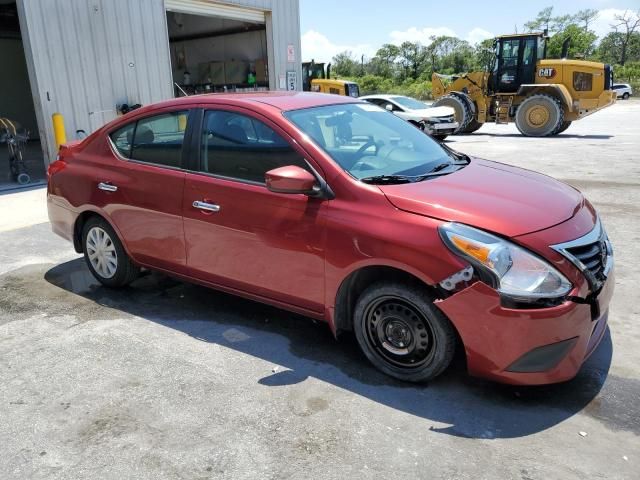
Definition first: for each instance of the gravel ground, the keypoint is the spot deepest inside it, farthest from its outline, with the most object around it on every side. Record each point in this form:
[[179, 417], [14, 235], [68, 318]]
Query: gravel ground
[[171, 380]]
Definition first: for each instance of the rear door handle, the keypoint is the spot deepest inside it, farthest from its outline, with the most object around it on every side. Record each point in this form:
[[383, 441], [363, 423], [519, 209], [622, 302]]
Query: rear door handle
[[107, 187], [208, 207]]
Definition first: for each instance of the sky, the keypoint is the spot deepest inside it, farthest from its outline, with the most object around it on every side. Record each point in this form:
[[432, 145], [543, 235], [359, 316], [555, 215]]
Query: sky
[[329, 27]]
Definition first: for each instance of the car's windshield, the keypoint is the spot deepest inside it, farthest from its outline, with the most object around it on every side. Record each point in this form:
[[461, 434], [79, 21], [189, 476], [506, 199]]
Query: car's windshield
[[410, 103], [368, 141]]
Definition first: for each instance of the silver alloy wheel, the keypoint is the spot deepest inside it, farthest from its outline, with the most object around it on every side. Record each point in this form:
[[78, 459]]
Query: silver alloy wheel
[[102, 252]]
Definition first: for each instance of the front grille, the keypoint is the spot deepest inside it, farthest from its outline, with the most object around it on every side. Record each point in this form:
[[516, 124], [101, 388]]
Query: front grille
[[447, 119], [592, 254]]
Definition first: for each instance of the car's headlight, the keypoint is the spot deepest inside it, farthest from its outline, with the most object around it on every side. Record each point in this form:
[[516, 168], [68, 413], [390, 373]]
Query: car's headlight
[[511, 270]]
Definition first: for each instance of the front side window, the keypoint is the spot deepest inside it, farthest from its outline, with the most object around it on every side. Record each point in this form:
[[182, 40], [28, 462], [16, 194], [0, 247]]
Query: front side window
[[366, 141], [582, 82], [243, 148], [159, 139]]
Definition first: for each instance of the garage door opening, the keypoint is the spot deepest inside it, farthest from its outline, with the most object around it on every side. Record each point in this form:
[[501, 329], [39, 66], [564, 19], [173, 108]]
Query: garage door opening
[[211, 53], [21, 157]]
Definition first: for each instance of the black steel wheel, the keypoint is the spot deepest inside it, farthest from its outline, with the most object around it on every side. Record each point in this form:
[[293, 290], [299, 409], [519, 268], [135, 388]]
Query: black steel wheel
[[402, 333]]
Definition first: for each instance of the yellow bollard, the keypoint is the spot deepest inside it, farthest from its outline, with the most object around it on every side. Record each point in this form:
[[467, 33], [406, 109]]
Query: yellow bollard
[[58, 130]]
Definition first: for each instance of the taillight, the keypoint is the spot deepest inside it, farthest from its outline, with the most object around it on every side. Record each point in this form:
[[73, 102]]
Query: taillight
[[56, 167]]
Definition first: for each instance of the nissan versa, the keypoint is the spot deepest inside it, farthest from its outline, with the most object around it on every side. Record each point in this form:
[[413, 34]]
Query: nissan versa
[[339, 210]]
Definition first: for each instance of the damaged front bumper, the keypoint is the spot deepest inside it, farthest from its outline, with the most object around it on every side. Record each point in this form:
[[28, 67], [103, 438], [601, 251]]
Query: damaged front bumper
[[525, 346]]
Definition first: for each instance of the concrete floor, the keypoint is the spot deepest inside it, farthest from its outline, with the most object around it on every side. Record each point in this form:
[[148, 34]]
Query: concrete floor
[[170, 380]]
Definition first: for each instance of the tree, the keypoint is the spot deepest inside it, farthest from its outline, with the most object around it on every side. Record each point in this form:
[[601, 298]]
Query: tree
[[344, 65], [384, 62], [610, 48], [628, 23], [586, 17], [542, 20], [484, 54], [581, 42], [412, 58]]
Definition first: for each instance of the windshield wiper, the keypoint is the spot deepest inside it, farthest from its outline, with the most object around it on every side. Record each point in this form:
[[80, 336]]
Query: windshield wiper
[[387, 179], [457, 155], [441, 166]]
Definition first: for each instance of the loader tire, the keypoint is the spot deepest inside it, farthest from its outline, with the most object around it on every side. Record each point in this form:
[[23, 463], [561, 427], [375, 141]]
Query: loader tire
[[472, 127], [539, 115], [566, 124], [463, 114]]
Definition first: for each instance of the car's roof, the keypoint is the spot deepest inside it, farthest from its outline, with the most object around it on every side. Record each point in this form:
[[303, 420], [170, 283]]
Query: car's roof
[[278, 100], [381, 97]]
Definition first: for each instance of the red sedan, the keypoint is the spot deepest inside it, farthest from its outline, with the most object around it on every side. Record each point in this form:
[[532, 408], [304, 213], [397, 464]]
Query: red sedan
[[341, 211]]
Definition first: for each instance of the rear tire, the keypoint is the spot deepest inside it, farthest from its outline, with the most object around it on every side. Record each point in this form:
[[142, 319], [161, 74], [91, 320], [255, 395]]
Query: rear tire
[[402, 333], [462, 110], [105, 255], [539, 115]]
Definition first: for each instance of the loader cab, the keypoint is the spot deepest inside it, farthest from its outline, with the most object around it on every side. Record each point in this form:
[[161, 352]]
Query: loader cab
[[311, 71], [316, 79], [516, 57]]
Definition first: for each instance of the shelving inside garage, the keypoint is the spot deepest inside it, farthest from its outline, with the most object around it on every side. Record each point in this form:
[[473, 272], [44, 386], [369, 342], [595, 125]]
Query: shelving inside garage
[[216, 54]]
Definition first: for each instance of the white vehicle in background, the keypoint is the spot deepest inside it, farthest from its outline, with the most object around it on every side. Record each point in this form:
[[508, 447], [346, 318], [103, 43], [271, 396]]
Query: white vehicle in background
[[623, 90], [439, 122]]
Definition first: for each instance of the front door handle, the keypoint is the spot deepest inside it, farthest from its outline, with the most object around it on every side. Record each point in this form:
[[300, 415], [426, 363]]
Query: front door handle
[[107, 187], [208, 207]]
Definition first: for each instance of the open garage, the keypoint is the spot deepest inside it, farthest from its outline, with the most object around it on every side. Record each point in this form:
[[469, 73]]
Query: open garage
[[92, 61]]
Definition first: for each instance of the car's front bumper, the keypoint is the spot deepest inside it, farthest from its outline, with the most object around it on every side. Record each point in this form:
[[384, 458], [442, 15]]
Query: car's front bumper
[[447, 128], [525, 346]]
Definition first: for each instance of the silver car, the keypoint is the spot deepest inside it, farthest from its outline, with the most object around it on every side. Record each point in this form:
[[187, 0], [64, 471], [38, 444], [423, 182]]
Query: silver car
[[439, 122], [623, 90]]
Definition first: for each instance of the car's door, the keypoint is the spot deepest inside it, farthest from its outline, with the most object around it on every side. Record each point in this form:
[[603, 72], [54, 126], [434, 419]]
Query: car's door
[[141, 189], [238, 233]]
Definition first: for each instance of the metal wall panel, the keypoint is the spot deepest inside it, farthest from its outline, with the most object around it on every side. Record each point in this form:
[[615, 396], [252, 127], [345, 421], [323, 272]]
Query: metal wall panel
[[86, 56]]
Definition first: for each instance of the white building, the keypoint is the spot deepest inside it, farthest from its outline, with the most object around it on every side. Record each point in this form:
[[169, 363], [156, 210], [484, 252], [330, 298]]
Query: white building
[[84, 58]]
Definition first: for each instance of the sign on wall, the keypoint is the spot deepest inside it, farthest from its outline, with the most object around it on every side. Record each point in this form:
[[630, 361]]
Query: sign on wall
[[292, 81], [291, 54]]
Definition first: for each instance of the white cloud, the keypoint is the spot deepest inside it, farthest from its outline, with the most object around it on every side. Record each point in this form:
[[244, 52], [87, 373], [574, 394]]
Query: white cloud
[[602, 25], [317, 47], [421, 35], [477, 35]]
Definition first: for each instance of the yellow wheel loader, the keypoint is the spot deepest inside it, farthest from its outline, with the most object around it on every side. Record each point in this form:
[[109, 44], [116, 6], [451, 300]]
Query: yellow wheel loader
[[315, 79], [542, 96]]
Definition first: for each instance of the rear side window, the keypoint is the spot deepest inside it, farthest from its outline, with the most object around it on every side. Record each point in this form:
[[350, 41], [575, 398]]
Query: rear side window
[[156, 139], [240, 147], [123, 138], [159, 139], [582, 82]]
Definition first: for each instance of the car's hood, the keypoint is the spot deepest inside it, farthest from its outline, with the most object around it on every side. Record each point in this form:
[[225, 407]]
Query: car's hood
[[433, 112], [496, 197]]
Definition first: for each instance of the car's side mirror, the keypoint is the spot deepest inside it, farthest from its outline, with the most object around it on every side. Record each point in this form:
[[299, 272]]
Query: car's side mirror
[[291, 179], [388, 107]]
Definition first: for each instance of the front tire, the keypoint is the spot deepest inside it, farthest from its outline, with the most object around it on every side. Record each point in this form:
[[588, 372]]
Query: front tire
[[539, 116], [462, 110], [105, 256], [626, 96], [402, 333], [563, 127], [473, 126]]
